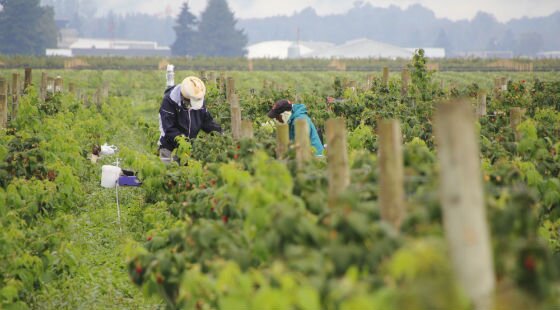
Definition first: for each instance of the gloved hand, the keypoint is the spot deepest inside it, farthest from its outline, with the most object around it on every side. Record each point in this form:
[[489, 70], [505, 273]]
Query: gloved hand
[[108, 149]]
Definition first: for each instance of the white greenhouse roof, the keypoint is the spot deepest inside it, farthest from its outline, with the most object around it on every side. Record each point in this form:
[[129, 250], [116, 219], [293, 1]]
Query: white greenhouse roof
[[362, 48], [279, 49], [86, 43], [549, 54], [430, 52], [58, 52], [108, 47]]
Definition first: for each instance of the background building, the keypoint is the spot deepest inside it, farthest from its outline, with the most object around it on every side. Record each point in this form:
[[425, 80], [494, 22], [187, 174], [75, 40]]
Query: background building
[[360, 48], [103, 47]]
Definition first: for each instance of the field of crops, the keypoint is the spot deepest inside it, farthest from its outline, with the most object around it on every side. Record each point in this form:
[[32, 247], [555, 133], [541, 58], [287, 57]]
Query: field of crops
[[236, 228]]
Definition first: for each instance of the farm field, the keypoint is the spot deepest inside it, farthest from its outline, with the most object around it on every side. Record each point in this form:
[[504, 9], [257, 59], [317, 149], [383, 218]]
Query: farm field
[[238, 228]]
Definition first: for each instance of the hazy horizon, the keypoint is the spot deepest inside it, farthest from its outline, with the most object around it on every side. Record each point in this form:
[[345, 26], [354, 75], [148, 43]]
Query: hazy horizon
[[503, 10]]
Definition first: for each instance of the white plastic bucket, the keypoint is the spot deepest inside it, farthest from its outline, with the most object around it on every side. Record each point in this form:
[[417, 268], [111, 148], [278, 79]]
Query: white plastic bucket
[[110, 176]]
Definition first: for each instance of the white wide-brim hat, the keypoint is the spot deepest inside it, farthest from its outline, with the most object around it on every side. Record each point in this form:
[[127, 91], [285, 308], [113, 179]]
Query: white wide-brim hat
[[194, 89]]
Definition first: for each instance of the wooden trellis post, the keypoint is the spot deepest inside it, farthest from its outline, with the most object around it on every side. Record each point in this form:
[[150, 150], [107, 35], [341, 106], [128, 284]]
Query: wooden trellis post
[[515, 118], [230, 87], [481, 104], [15, 93], [80, 95], [247, 129], [464, 214], [391, 173], [203, 76], [16, 86], [352, 85], [405, 76], [500, 84], [28, 79], [222, 83], [3, 103], [302, 143], [72, 88], [98, 97], [504, 83], [337, 159], [282, 140], [105, 91], [50, 85], [235, 116], [369, 81], [43, 87], [212, 77], [497, 85], [385, 80], [8, 90], [58, 84], [85, 99], [236, 121]]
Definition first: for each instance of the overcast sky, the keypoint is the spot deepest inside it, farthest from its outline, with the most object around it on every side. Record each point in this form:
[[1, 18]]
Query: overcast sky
[[504, 10]]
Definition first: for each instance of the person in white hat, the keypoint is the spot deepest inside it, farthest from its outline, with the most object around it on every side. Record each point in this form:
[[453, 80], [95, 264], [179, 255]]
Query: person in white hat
[[183, 112]]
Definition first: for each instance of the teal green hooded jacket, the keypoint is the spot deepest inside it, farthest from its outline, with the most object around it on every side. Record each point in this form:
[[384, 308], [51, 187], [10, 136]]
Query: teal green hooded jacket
[[300, 111]]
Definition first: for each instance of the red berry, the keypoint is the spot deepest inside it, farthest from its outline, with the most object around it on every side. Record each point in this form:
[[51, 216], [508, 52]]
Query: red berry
[[236, 156], [212, 209], [225, 219], [51, 175], [159, 279], [529, 263], [149, 238]]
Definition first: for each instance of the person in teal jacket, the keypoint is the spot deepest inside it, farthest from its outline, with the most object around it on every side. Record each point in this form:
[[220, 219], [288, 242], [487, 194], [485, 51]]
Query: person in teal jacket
[[286, 112]]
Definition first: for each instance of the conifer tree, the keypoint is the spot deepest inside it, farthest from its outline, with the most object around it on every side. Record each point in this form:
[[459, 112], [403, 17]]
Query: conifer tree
[[26, 28], [185, 33], [217, 33]]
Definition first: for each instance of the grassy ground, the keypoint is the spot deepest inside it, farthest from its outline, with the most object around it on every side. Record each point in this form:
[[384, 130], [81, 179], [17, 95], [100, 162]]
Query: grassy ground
[[99, 245], [100, 279]]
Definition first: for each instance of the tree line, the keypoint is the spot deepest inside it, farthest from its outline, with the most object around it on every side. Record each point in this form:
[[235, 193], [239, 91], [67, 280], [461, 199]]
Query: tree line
[[416, 26], [27, 28], [216, 31]]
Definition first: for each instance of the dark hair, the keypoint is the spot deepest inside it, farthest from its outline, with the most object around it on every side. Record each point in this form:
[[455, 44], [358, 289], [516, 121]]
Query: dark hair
[[279, 107], [281, 102]]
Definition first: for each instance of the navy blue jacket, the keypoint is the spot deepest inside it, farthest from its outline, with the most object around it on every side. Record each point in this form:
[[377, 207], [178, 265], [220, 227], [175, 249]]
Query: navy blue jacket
[[176, 120]]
